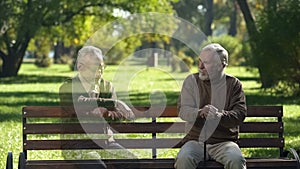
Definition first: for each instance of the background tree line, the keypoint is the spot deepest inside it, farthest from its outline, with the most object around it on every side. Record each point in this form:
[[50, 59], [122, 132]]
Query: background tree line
[[258, 33]]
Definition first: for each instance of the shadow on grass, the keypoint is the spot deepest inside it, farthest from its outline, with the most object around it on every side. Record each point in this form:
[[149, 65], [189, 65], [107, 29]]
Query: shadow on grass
[[172, 79], [29, 98], [22, 79], [258, 99], [143, 98], [242, 78], [291, 126], [14, 101], [6, 117]]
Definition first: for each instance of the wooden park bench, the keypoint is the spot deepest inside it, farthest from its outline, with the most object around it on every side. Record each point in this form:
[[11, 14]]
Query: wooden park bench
[[265, 134]]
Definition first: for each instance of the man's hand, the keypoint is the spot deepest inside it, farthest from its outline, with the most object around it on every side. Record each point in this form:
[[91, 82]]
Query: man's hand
[[208, 112], [105, 113]]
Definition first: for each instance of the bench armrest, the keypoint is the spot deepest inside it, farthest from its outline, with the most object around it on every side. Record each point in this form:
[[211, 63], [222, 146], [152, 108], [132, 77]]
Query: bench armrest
[[296, 156]]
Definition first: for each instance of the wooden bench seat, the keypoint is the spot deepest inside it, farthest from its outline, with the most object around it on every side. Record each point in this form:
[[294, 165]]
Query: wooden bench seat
[[161, 132], [275, 163]]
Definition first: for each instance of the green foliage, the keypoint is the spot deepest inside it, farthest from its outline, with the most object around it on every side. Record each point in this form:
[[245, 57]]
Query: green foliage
[[65, 59], [278, 52], [246, 53], [182, 62], [186, 63], [43, 61], [71, 22]]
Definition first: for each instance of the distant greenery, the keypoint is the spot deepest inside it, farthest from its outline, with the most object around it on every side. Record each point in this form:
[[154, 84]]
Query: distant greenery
[[280, 51], [39, 86]]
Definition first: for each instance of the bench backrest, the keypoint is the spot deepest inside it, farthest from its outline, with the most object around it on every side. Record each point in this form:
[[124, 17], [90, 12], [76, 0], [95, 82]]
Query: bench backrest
[[163, 131]]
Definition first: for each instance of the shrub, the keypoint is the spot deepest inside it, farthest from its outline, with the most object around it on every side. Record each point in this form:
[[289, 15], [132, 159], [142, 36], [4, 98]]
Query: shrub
[[65, 59], [43, 61], [277, 52], [186, 63]]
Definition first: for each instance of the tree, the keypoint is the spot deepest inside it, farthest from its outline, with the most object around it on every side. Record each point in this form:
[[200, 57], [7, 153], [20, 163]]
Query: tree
[[21, 20], [274, 39], [208, 17], [233, 19], [278, 28]]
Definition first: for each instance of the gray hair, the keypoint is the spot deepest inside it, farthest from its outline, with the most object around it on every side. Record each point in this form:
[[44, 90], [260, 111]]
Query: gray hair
[[219, 50], [91, 52]]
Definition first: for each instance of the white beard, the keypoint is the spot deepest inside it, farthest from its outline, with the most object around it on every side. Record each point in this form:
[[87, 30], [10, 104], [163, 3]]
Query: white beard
[[203, 76]]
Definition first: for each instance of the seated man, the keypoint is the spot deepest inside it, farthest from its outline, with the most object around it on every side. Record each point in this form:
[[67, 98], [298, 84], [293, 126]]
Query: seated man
[[214, 104], [90, 95]]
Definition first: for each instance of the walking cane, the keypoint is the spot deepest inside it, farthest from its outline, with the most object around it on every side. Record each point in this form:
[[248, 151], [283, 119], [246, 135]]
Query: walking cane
[[204, 148], [204, 162]]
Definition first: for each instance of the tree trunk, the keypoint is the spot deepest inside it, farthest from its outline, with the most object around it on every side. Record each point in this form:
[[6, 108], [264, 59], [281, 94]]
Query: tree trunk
[[15, 52], [58, 51], [11, 64], [265, 78], [232, 29], [13, 59], [208, 17], [252, 31]]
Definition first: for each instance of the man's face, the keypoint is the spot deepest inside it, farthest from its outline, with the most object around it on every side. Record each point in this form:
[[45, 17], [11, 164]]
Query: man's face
[[209, 68], [91, 69]]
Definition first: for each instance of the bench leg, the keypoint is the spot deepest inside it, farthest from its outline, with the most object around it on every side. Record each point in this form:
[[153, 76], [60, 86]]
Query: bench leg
[[21, 164], [9, 161], [294, 152]]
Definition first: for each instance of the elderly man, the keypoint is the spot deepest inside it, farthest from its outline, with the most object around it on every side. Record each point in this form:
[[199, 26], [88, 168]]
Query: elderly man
[[85, 93], [213, 103]]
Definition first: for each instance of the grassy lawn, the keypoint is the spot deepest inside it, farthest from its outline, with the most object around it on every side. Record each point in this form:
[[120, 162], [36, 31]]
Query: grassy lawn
[[134, 84]]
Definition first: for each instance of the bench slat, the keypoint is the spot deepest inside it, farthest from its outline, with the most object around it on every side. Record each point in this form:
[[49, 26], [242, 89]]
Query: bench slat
[[261, 127], [75, 128], [152, 163], [264, 111], [136, 143], [171, 111], [99, 144], [261, 142], [159, 127]]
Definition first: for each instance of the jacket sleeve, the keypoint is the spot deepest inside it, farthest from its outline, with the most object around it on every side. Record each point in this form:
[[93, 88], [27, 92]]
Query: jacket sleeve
[[65, 93], [188, 103], [237, 109]]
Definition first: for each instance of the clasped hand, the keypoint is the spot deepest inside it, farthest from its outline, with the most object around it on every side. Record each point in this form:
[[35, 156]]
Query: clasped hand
[[105, 113], [209, 112]]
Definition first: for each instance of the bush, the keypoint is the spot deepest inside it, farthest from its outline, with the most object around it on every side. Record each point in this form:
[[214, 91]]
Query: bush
[[186, 63], [65, 59], [43, 61], [277, 54]]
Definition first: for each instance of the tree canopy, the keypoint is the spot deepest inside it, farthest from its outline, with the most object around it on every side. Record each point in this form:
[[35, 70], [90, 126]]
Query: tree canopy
[[274, 38], [21, 20]]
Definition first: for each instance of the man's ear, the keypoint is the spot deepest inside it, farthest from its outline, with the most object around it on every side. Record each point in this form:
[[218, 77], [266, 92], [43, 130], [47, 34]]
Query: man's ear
[[79, 66], [221, 67]]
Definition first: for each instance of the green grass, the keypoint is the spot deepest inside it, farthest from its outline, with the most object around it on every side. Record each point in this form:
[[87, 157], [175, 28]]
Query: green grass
[[134, 84]]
